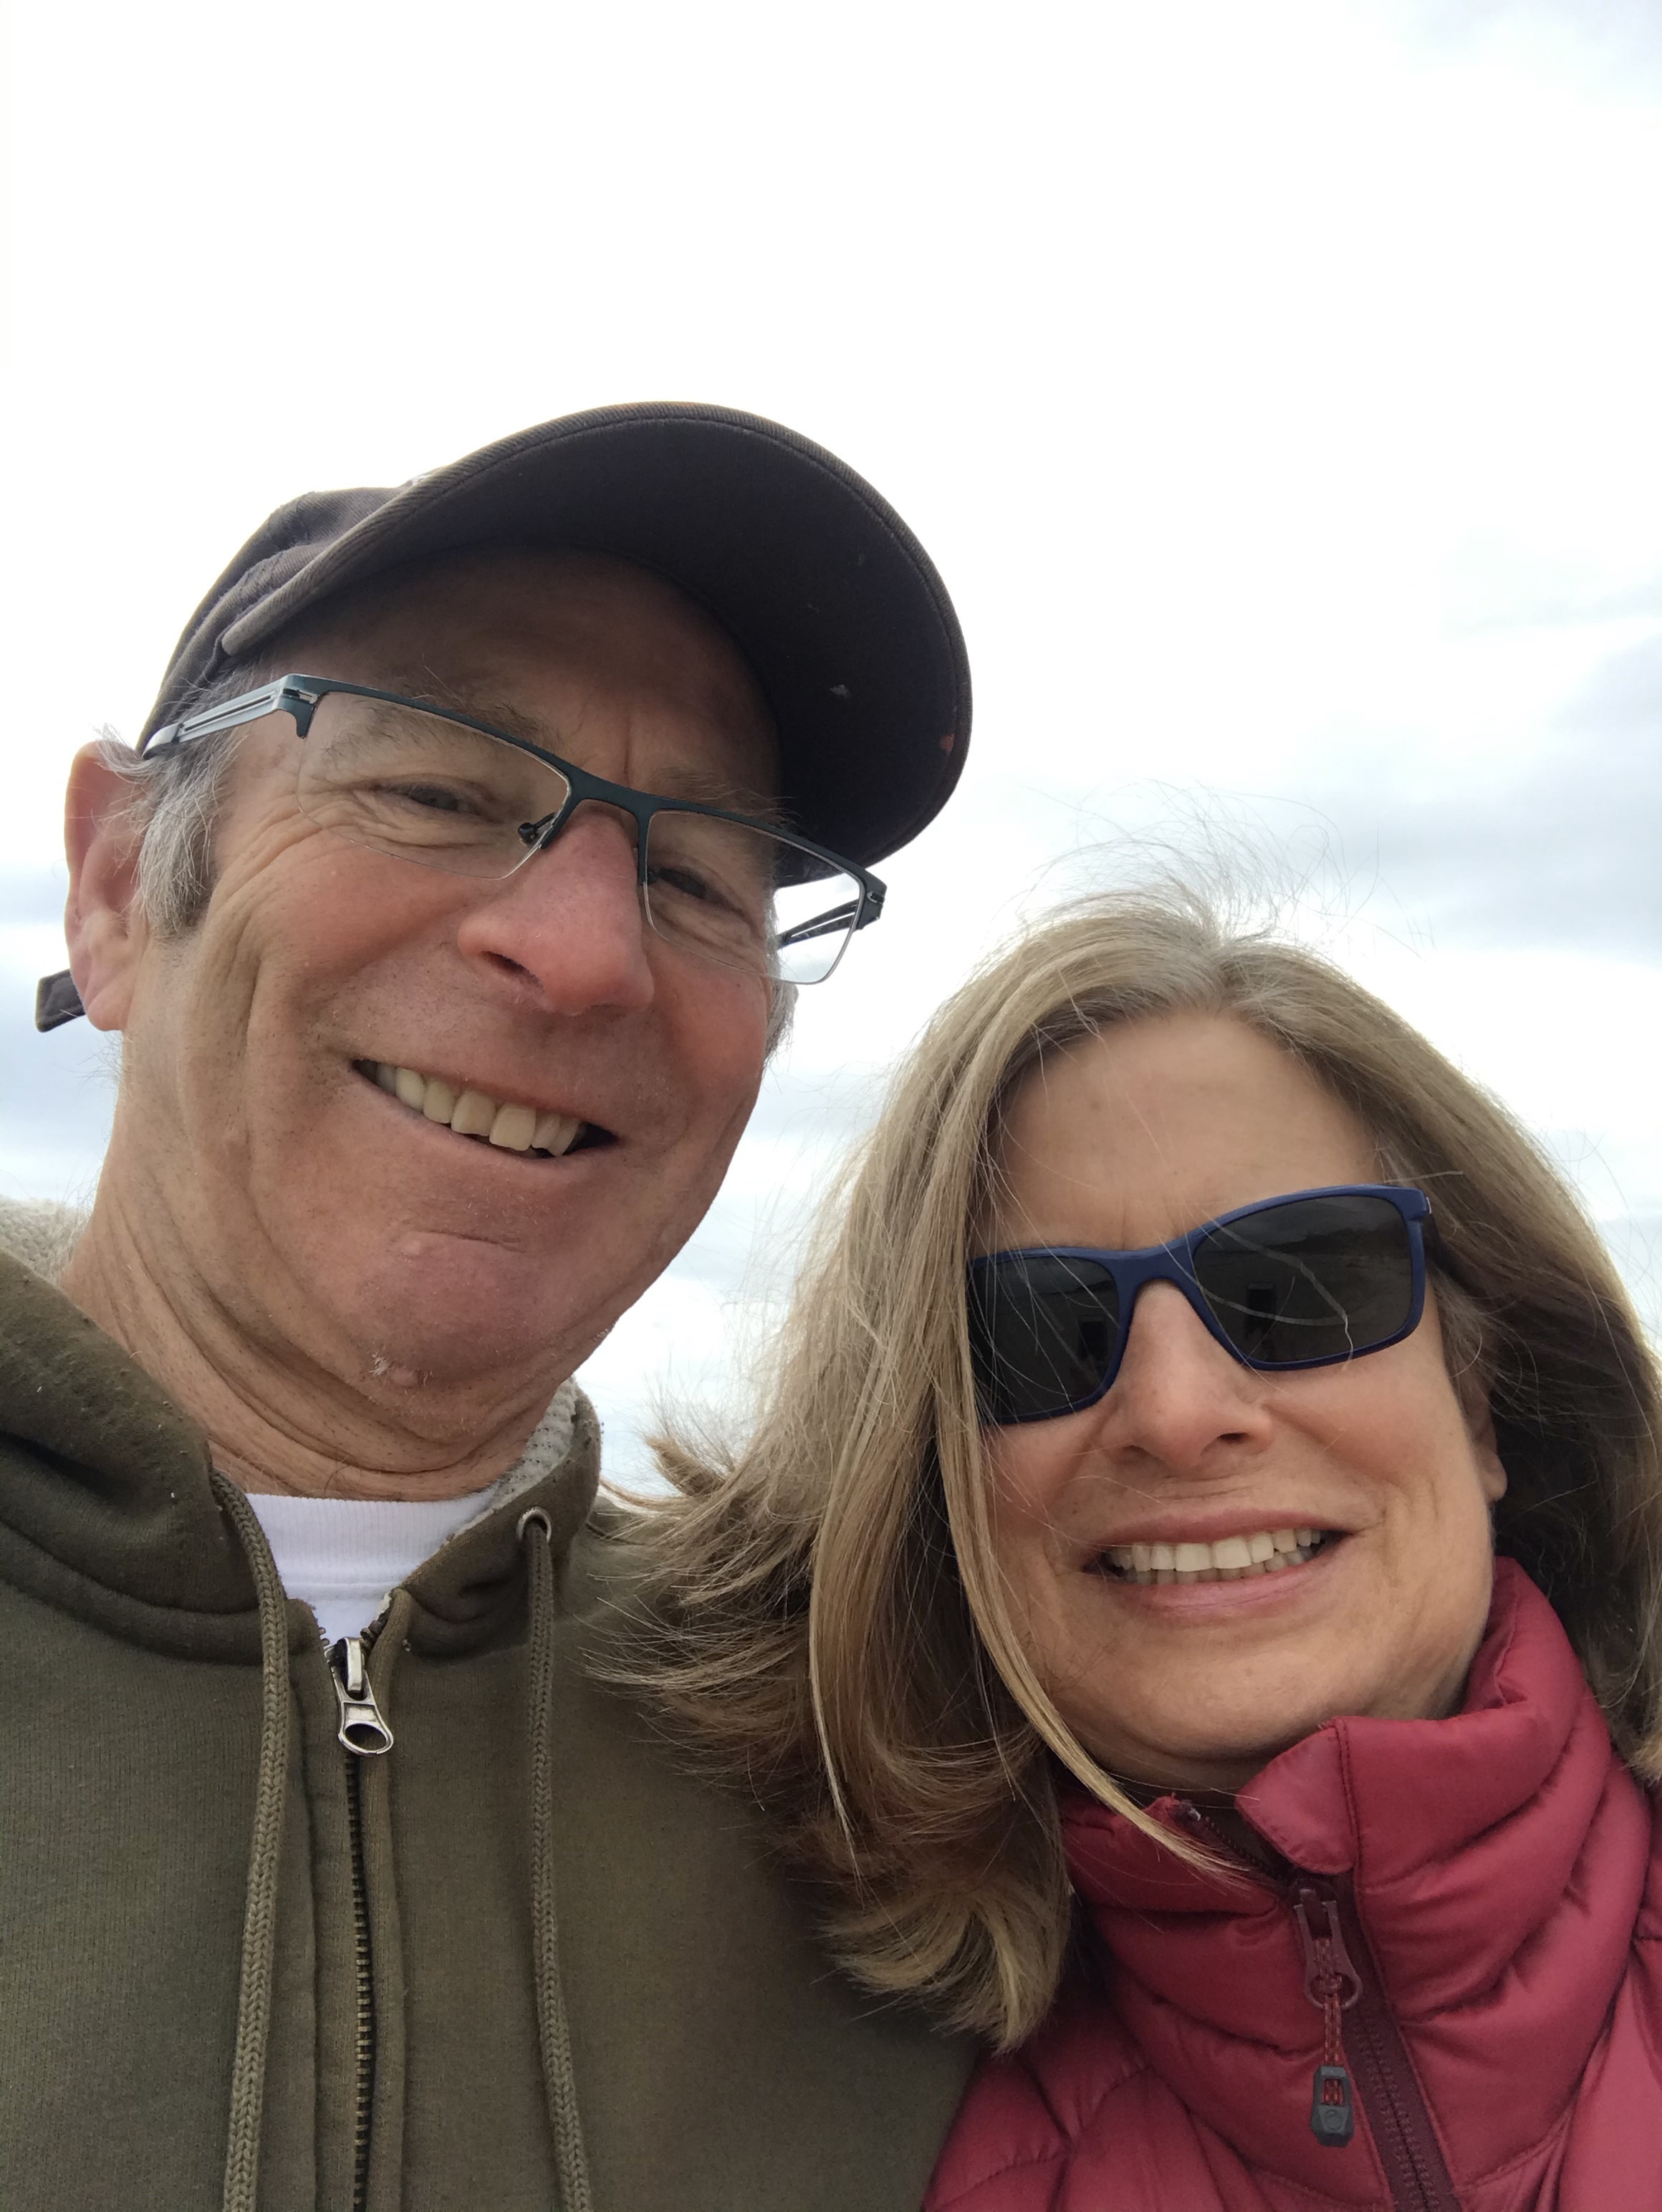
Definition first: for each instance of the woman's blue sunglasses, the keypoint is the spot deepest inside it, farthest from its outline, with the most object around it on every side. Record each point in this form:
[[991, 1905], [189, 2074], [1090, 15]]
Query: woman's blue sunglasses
[[1302, 1281]]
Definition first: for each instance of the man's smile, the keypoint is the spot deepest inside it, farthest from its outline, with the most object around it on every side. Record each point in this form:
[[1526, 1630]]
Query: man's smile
[[508, 1124]]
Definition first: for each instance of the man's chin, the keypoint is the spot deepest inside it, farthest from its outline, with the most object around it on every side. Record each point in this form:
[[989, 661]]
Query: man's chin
[[457, 1313]]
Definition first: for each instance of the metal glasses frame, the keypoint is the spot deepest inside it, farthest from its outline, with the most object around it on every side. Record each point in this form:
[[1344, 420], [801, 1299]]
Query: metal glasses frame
[[299, 697], [1175, 1263]]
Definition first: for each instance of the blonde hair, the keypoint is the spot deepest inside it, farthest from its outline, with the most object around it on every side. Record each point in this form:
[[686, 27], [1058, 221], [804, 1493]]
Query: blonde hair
[[821, 1611]]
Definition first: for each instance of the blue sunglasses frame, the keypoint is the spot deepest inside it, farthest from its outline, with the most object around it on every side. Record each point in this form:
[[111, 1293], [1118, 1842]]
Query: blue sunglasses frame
[[1174, 1262]]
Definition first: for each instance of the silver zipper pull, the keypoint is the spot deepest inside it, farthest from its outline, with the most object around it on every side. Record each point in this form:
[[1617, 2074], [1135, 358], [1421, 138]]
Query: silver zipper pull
[[362, 1730]]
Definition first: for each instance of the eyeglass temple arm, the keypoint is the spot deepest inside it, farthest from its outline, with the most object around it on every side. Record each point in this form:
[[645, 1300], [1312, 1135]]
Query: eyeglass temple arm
[[284, 697], [55, 998], [852, 914]]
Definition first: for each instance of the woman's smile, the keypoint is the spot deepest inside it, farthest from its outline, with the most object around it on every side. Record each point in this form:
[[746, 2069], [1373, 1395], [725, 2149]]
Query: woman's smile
[[1266, 1551]]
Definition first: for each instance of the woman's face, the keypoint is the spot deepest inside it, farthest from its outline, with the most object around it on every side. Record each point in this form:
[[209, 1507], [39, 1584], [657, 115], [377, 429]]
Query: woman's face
[[1126, 1141]]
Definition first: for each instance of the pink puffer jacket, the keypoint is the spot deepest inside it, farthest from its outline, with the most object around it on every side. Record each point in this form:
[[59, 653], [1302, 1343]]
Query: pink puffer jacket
[[1477, 1912]]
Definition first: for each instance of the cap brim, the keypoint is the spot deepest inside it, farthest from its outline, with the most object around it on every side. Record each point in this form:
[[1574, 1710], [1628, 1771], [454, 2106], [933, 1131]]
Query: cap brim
[[832, 601]]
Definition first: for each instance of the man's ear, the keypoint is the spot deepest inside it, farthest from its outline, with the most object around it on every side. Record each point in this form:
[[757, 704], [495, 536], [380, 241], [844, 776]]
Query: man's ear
[[103, 921]]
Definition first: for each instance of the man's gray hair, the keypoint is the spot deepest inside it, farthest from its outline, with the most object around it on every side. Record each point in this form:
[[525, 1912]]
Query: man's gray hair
[[175, 807]]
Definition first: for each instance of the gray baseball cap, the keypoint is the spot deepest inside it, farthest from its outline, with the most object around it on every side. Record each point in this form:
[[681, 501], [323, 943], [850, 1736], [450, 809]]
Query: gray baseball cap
[[820, 584], [833, 603]]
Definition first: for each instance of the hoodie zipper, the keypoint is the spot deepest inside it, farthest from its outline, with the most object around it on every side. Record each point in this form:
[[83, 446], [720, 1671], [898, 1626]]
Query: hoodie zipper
[[363, 1733]]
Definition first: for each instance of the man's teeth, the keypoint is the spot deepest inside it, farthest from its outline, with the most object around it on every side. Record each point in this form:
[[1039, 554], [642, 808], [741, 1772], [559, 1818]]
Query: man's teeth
[[470, 1114], [1231, 1560]]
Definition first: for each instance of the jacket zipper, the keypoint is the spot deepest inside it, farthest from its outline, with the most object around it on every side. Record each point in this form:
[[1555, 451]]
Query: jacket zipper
[[1340, 1978], [363, 1733]]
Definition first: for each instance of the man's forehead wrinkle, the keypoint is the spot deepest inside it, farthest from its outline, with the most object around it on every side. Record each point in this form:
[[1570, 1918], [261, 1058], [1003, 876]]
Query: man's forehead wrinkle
[[421, 681]]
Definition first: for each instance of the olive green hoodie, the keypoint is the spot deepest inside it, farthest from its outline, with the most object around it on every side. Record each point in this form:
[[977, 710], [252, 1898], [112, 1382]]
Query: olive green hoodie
[[522, 1960]]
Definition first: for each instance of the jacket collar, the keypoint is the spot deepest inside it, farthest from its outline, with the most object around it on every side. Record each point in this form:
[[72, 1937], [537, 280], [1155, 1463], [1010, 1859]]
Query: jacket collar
[[1388, 1801], [1496, 1861]]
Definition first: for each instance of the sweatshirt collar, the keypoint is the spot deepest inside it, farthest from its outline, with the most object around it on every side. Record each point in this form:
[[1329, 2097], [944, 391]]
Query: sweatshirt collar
[[109, 1510]]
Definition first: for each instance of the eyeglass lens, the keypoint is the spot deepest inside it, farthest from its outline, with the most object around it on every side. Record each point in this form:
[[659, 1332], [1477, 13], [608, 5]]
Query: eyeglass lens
[[1312, 1280], [1316, 1279], [1044, 1332], [424, 789]]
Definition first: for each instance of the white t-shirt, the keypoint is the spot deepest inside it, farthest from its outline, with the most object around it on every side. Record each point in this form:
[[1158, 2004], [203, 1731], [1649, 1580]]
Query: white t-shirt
[[343, 1555]]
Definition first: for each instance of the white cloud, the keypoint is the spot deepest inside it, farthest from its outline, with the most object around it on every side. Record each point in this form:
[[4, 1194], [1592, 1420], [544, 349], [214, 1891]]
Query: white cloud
[[1275, 386]]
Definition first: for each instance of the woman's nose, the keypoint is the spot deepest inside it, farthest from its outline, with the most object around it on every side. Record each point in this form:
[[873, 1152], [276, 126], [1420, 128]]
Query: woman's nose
[[1179, 1397], [571, 919]]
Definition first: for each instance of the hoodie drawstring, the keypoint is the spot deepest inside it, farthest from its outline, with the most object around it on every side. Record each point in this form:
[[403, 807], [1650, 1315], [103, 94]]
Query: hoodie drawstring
[[553, 2030], [253, 2008]]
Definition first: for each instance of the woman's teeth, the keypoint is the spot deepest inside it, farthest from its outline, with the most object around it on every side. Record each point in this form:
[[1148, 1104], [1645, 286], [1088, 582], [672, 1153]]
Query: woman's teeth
[[1231, 1560], [470, 1114]]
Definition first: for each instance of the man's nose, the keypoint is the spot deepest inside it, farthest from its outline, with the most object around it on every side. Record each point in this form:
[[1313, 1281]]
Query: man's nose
[[572, 920], [1179, 1397]]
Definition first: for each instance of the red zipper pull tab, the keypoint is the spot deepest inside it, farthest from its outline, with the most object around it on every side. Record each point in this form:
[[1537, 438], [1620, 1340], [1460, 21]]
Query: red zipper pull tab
[[1330, 1983]]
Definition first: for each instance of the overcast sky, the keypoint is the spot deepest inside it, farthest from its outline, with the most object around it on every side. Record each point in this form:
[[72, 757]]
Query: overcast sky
[[1275, 387]]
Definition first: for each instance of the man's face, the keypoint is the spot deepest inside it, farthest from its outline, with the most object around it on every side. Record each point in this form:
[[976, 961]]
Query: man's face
[[324, 1214]]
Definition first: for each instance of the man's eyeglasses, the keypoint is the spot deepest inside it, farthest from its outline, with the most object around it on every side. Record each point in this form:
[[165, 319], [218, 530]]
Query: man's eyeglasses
[[1306, 1281], [446, 792]]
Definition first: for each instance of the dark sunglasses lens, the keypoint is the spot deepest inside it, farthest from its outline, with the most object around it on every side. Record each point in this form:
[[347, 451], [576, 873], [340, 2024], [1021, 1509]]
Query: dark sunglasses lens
[[1044, 1330], [1318, 1279]]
